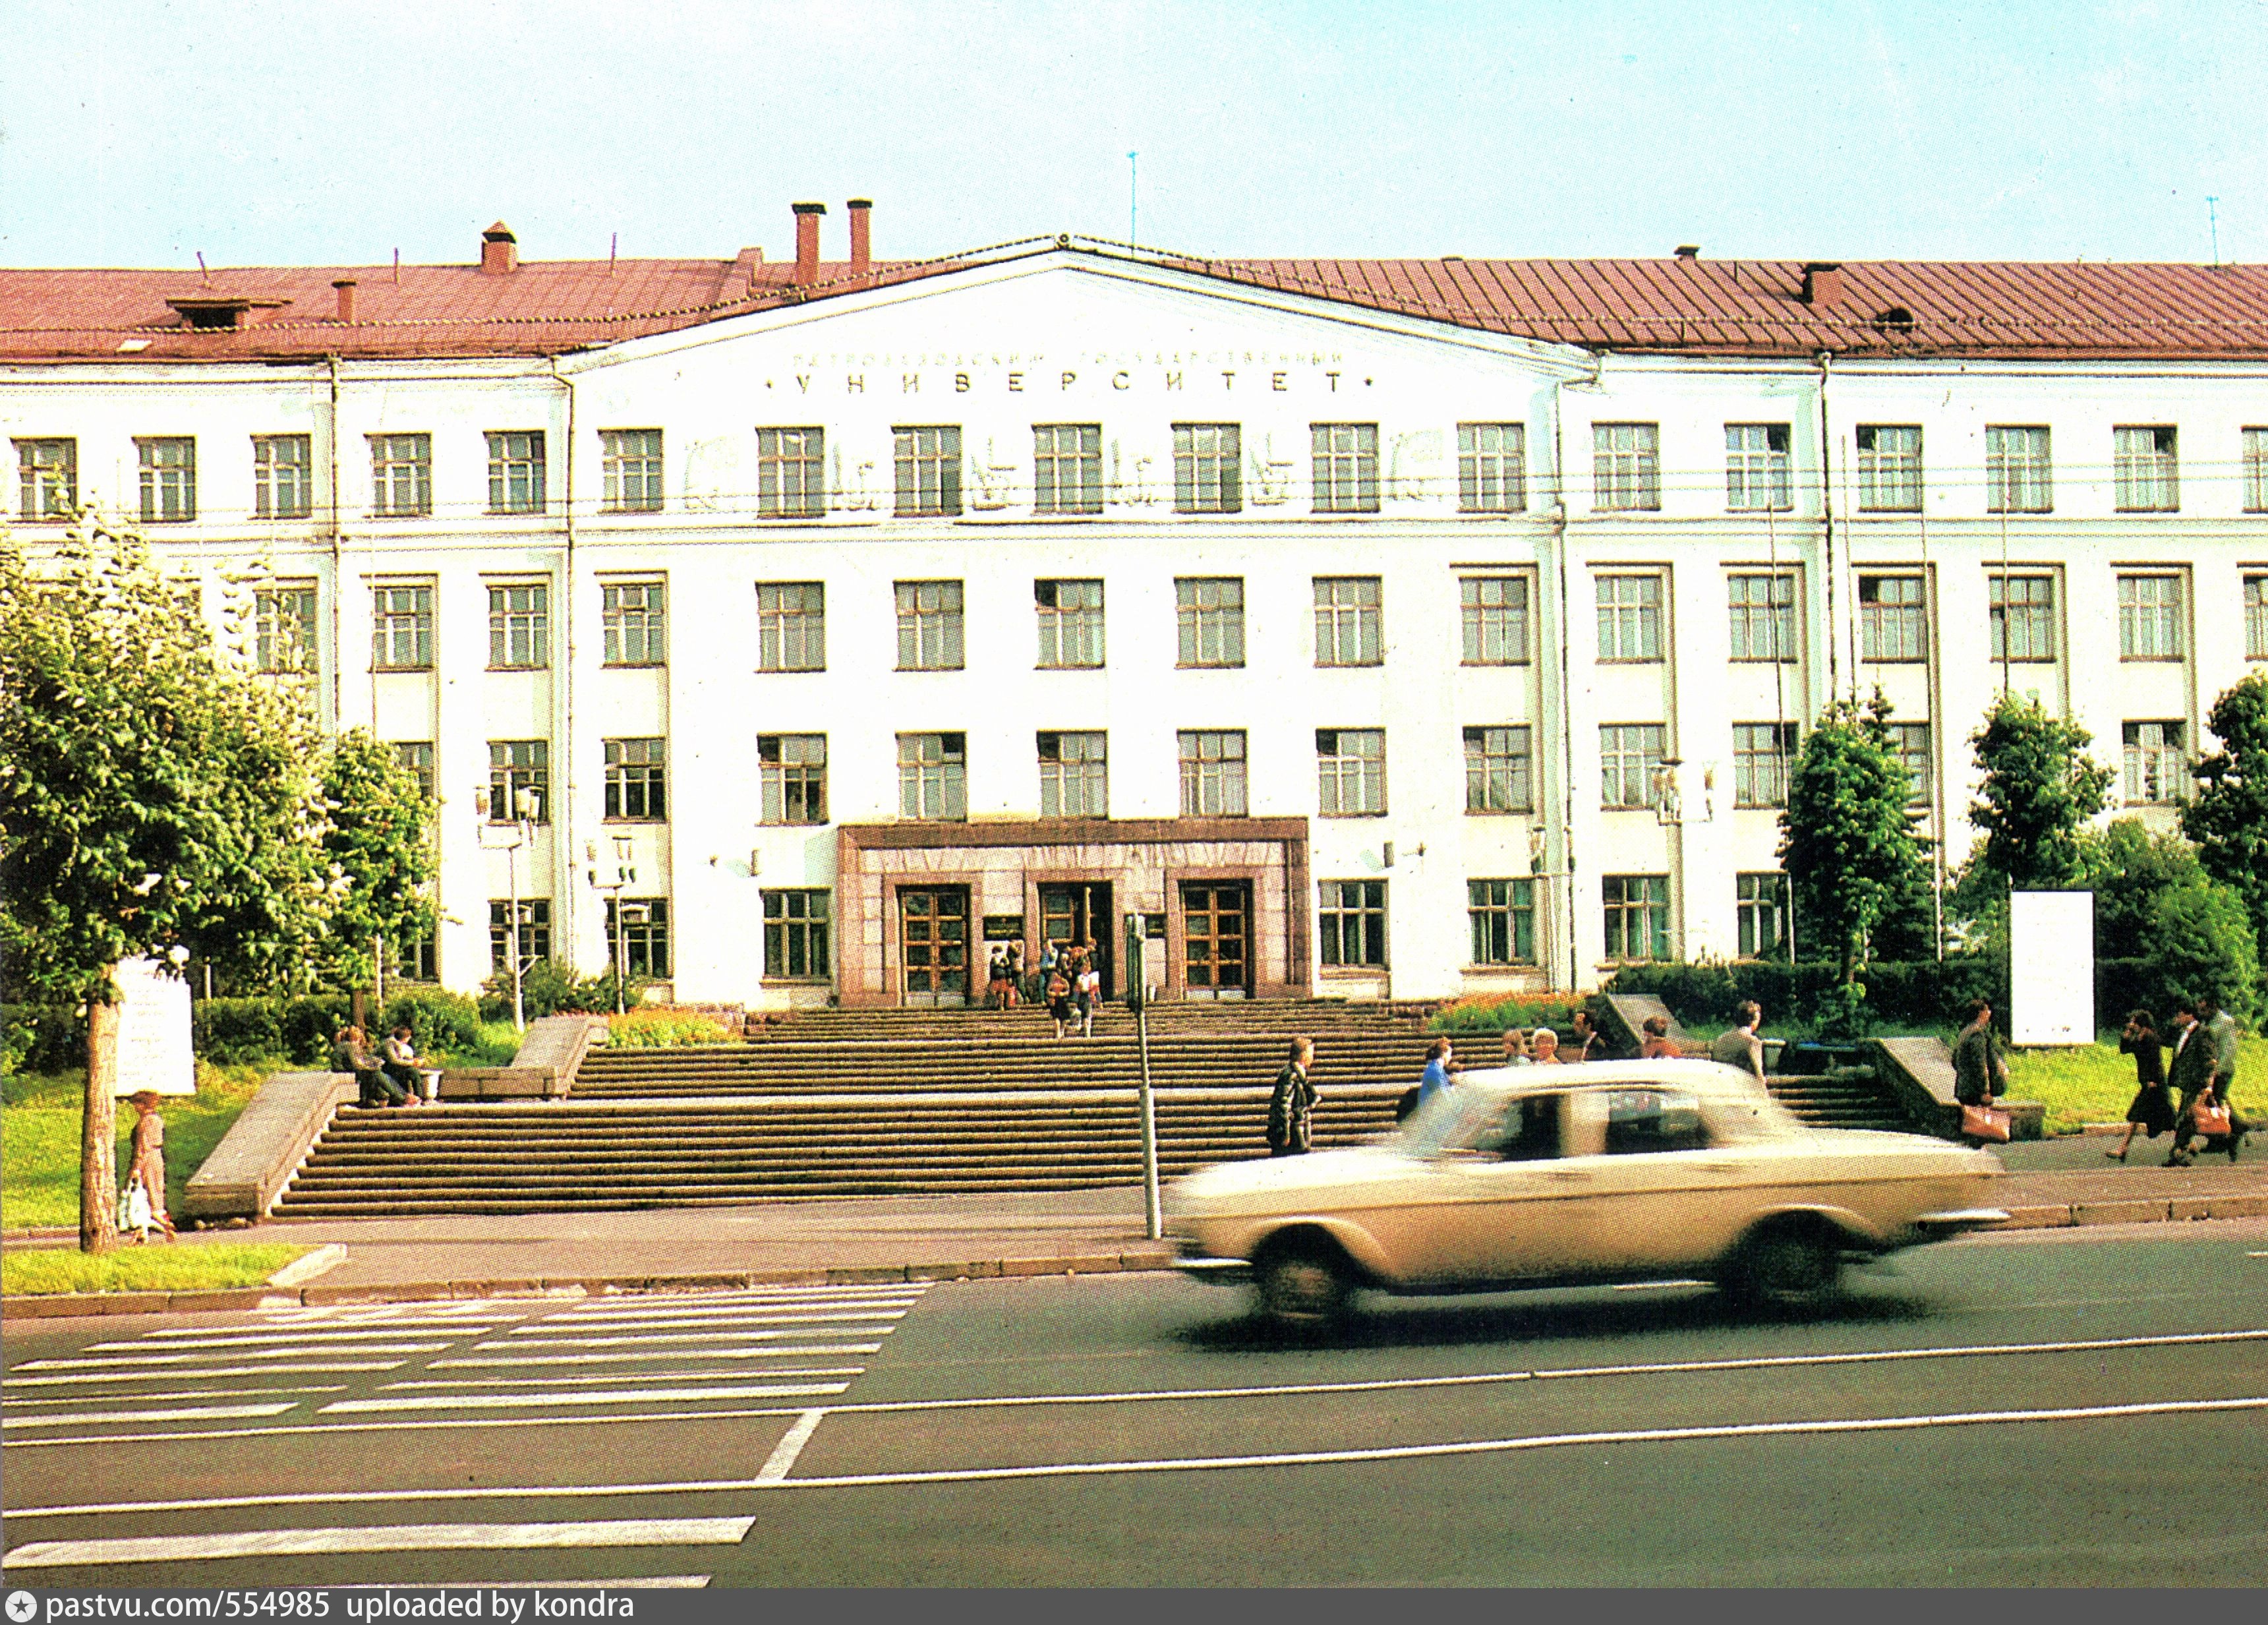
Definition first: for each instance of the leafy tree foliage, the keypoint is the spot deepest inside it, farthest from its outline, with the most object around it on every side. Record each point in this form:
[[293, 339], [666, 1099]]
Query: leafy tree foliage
[[1847, 838], [2202, 942], [2153, 901], [2228, 818], [379, 841], [2039, 790]]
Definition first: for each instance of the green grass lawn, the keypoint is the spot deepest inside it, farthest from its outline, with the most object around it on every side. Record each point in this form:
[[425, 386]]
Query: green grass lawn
[[40, 1130], [2093, 1084], [204, 1268]]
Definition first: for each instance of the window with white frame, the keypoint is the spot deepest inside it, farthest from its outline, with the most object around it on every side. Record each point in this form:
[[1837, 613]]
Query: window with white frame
[[793, 768], [1209, 620], [1760, 912], [1350, 769], [534, 933], [1070, 624], [795, 932], [416, 754], [1351, 915], [1346, 466], [1637, 910], [1757, 478], [1762, 754], [1630, 617], [519, 625], [1350, 621], [1067, 467], [933, 776], [790, 626], [1625, 467], [2147, 469], [283, 476], [630, 470], [283, 627], [636, 783], [928, 458], [1630, 763], [930, 630], [1890, 468], [2155, 771], [516, 471], [634, 617], [47, 479], [1208, 468], [1493, 612], [2022, 610], [1763, 608], [2256, 617], [638, 930], [169, 478], [1074, 776], [1893, 619], [791, 473], [1910, 743], [2149, 617], [1502, 913], [401, 626], [2018, 475], [1498, 777], [1491, 468], [515, 765], [2256, 470], [400, 475], [1212, 772]]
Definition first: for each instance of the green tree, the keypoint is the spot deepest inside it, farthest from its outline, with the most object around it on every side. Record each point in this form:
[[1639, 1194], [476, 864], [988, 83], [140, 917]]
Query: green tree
[[154, 793], [2228, 818], [2202, 942], [1847, 837], [2129, 868], [2040, 788], [379, 844]]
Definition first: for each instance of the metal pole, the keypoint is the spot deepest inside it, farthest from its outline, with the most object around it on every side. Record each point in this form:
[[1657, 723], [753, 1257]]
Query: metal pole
[[512, 927], [1138, 995], [619, 972]]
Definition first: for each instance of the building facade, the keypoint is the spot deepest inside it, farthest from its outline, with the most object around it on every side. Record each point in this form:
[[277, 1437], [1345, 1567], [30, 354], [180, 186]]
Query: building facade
[[1374, 628]]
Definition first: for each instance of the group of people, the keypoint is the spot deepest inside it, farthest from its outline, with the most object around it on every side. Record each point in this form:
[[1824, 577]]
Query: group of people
[[392, 1077], [1068, 981], [2188, 1091]]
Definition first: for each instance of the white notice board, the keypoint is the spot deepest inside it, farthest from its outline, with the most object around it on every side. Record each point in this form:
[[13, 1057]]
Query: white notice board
[[2051, 967], [153, 1030]]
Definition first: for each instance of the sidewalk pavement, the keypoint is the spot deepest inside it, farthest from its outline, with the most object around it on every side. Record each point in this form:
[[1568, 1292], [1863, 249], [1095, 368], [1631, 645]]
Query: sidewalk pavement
[[2050, 1184]]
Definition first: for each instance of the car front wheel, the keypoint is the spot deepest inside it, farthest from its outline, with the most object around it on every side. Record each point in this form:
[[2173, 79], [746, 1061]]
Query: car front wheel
[[1787, 1266], [1302, 1284]]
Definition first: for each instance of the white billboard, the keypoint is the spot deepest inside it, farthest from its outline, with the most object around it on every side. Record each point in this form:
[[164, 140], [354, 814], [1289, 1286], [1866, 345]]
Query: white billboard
[[2051, 967], [153, 1030]]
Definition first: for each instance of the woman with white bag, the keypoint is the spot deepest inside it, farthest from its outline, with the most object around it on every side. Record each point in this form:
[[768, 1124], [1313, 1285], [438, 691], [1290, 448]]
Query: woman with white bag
[[143, 1203]]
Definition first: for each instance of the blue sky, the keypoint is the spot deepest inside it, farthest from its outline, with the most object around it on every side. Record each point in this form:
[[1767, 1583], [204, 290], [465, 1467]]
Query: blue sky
[[140, 133]]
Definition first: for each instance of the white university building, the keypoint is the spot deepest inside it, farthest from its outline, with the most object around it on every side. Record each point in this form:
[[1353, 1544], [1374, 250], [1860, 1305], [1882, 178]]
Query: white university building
[[1375, 629]]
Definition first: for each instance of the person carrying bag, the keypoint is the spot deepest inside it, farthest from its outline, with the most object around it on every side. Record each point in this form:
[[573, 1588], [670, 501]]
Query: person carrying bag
[[1980, 1073]]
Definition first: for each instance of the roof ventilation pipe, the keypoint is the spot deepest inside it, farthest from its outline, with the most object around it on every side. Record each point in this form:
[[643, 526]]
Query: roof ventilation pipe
[[862, 239], [1689, 252], [499, 251], [345, 287], [1822, 282], [806, 242]]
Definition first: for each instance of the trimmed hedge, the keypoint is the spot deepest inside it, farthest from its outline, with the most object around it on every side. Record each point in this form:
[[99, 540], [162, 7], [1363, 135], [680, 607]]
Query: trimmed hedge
[[236, 1032]]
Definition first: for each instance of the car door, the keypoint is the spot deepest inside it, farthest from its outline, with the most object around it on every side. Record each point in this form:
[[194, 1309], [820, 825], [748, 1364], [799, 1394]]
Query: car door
[[1663, 1193], [1503, 1205]]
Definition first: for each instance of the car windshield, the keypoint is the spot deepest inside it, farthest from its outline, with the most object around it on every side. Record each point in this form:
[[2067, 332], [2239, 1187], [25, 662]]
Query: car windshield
[[1453, 1117]]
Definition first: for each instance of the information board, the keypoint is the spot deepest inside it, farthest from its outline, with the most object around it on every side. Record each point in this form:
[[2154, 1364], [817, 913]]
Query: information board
[[153, 1030], [2051, 967]]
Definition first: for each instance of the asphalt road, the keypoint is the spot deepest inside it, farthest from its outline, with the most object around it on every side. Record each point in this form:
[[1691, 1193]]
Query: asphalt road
[[2052, 1407]]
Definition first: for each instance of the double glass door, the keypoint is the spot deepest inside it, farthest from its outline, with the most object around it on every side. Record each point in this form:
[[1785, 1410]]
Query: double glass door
[[1079, 911], [933, 944], [1216, 939]]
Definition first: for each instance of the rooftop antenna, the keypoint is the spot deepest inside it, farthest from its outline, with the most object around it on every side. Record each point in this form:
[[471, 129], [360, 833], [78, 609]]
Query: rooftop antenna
[[1133, 197], [613, 241], [207, 275], [2212, 219], [397, 268]]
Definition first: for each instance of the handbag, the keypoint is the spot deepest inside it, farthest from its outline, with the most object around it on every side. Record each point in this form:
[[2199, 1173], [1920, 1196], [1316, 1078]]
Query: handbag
[[134, 1208], [1984, 1123], [2212, 1119]]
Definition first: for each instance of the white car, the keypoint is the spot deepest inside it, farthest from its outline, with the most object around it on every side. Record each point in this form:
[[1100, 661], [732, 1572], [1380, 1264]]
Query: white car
[[1622, 1171]]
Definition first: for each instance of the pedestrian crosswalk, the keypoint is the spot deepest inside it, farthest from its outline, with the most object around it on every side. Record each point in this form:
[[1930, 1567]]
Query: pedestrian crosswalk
[[497, 1365]]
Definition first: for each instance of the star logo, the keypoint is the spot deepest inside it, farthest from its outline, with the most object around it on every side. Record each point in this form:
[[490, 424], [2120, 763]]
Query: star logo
[[22, 1605]]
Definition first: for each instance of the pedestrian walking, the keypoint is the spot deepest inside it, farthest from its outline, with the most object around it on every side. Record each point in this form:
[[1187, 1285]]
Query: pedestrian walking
[[2187, 1068], [145, 1176], [1738, 1045], [1086, 992], [1015, 974], [2217, 1032], [1979, 1070], [998, 991], [1058, 993], [2153, 1107], [1440, 1067], [1590, 1042], [1292, 1106], [1654, 1044]]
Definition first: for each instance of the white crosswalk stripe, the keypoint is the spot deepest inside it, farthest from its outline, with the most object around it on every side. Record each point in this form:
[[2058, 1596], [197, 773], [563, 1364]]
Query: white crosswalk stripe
[[388, 1538]]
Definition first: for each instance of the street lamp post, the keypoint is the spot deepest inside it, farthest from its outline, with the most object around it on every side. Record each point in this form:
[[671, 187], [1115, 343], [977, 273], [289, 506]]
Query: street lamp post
[[526, 804], [625, 875]]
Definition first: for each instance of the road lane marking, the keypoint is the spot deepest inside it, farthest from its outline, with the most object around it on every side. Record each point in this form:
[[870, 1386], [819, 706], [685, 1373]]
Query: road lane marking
[[619, 1323], [777, 1351], [360, 1497], [506, 1401], [791, 1445], [329, 1341], [442, 1424], [122, 1354], [189, 1413], [394, 1537], [109, 1371], [863, 1326], [741, 1376], [185, 1394], [1548, 1441]]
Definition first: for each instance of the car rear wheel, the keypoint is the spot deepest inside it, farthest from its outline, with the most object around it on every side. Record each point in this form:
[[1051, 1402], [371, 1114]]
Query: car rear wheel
[[1787, 1266], [1303, 1283]]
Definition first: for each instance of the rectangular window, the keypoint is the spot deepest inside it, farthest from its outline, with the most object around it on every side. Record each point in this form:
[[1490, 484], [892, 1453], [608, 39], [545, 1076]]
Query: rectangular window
[[929, 469], [1346, 466], [1350, 621], [1212, 774], [1756, 468], [283, 637], [534, 933], [2023, 617], [930, 626], [1209, 619], [630, 470], [2155, 771], [2256, 470], [1636, 915], [1351, 766], [791, 473], [795, 935], [400, 475], [515, 765], [46, 478], [1893, 618], [1494, 613], [794, 769], [638, 928], [1890, 468], [2018, 478], [169, 479], [519, 627], [1352, 916], [416, 754], [1761, 910], [933, 776], [282, 476], [1208, 461], [2149, 617], [1625, 467], [1763, 616], [636, 780], [1910, 741], [1491, 468], [2256, 617], [2148, 471], [1762, 753], [1070, 624], [416, 961], [1067, 467], [1503, 916], [401, 628], [1630, 617], [516, 471], [790, 626], [1074, 776], [634, 616], [1630, 763], [1498, 776]]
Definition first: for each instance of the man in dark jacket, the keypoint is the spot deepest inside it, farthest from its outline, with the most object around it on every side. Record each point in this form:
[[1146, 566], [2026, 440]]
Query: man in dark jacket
[[2189, 1068], [1291, 1108]]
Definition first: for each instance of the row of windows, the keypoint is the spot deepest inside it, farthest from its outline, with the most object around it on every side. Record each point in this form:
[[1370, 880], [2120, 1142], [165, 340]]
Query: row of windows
[[1068, 476]]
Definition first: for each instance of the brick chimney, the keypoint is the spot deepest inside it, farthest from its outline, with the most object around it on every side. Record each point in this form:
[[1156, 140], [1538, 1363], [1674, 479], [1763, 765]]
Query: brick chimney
[[499, 251], [1822, 282], [345, 286], [862, 240], [1690, 252], [806, 242]]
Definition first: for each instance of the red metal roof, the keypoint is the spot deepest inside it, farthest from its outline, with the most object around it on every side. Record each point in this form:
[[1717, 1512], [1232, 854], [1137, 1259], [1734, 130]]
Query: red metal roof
[[1736, 308]]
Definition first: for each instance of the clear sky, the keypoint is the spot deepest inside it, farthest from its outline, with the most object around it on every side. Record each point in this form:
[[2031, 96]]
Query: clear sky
[[139, 132]]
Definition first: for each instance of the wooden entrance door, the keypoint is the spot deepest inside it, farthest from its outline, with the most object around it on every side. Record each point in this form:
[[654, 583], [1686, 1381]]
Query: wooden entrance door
[[933, 943], [1216, 939], [1079, 911]]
